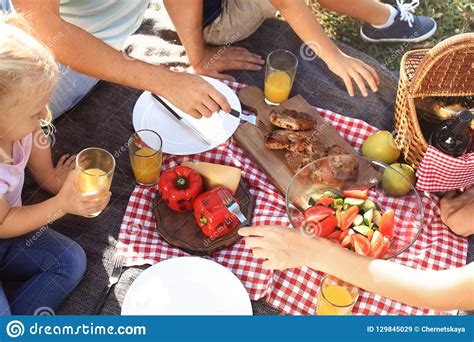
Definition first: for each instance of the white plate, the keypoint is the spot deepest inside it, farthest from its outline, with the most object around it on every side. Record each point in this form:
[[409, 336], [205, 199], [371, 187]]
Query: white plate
[[187, 286], [177, 138]]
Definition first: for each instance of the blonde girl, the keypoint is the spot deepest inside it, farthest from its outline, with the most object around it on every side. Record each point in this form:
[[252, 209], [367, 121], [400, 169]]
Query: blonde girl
[[46, 268]]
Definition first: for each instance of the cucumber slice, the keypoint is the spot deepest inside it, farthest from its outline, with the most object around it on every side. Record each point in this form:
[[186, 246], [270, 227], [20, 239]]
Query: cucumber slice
[[354, 201], [376, 218], [337, 202], [359, 219], [368, 217], [332, 194], [369, 204], [364, 230]]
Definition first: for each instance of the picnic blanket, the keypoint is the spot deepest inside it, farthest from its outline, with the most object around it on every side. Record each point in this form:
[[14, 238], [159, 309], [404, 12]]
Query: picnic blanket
[[292, 291]]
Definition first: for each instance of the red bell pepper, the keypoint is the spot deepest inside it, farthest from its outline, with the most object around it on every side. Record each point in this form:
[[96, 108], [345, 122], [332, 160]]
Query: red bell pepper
[[212, 216], [179, 188]]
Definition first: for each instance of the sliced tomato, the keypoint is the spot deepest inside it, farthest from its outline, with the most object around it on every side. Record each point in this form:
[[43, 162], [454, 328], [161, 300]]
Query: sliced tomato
[[360, 244], [335, 235], [345, 239], [317, 213], [377, 245], [361, 193], [325, 200], [327, 226], [348, 217], [387, 223]]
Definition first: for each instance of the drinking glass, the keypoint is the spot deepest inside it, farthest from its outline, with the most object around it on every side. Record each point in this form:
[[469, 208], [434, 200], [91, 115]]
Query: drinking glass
[[94, 172], [336, 297], [280, 72], [145, 150]]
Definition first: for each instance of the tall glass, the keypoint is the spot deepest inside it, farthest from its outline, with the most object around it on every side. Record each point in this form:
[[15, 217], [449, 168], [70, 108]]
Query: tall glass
[[336, 297], [146, 157], [94, 172], [280, 72]]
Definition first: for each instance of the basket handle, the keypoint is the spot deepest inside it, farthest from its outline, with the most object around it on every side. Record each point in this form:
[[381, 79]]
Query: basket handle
[[448, 46]]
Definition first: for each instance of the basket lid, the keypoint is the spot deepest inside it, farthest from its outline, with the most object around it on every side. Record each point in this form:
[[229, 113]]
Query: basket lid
[[447, 69]]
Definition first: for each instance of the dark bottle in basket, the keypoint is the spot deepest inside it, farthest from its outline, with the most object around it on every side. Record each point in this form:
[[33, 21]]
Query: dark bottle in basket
[[453, 136]]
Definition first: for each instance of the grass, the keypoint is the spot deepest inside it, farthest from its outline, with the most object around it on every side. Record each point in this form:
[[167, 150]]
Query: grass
[[453, 17]]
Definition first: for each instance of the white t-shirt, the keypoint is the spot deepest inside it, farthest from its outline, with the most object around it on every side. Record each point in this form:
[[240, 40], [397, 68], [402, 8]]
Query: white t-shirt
[[112, 21]]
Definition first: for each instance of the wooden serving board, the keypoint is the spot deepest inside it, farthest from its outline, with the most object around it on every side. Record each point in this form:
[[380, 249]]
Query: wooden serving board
[[273, 162], [181, 230]]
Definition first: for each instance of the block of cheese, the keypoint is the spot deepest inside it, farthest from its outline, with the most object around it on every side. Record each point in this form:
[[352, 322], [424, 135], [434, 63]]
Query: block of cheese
[[214, 175]]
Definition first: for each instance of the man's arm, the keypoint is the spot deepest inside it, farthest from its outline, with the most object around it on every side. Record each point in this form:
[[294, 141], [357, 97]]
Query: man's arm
[[84, 53], [302, 20], [187, 19]]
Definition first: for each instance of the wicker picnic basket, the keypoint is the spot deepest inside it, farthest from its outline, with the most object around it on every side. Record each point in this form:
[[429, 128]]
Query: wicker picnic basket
[[446, 70]]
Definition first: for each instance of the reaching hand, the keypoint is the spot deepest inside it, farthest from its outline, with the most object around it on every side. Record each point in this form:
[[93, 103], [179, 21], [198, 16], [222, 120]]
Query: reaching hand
[[194, 96], [74, 202], [353, 69], [221, 58], [280, 247]]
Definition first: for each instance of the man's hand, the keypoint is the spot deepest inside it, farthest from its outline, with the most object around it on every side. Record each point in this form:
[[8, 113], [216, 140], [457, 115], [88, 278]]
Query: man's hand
[[353, 69], [221, 58], [193, 95]]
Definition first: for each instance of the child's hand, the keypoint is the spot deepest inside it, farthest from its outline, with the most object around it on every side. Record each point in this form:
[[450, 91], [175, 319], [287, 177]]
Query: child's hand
[[456, 211], [74, 202], [280, 247], [221, 58], [353, 69], [65, 165]]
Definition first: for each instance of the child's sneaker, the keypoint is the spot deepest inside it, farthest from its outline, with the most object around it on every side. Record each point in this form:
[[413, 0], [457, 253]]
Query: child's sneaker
[[406, 26]]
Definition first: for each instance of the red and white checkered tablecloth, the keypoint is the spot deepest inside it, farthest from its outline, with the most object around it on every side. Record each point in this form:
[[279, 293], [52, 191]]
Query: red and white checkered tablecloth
[[292, 291], [440, 172]]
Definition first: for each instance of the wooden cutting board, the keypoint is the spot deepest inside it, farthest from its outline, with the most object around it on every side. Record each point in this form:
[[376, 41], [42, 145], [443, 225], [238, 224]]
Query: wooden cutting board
[[273, 162], [180, 229]]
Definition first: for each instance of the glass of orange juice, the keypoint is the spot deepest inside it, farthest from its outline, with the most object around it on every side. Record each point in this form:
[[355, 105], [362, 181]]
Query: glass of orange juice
[[336, 297], [145, 150], [94, 172], [280, 72]]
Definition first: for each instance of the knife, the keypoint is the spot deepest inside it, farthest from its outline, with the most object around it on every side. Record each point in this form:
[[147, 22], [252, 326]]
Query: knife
[[181, 119]]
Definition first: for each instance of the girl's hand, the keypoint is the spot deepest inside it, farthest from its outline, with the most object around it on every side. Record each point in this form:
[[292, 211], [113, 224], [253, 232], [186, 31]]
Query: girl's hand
[[64, 166], [280, 247], [353, 69], [76, 203]]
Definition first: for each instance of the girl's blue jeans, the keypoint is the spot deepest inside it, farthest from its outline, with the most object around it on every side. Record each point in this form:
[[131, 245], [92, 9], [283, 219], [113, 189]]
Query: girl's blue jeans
[[38, 271]]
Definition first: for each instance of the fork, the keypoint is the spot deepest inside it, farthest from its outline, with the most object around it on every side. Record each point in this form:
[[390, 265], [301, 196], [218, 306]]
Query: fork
[[261, 125], [113, 279], [231, 204]]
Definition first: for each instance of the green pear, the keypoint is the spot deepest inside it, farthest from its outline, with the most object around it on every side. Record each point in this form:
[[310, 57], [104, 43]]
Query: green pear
[[381, 146], [398, 179]]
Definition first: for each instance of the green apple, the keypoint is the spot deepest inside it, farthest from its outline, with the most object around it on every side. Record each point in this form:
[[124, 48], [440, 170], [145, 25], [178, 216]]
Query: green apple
[[398, 179], [381, 146]]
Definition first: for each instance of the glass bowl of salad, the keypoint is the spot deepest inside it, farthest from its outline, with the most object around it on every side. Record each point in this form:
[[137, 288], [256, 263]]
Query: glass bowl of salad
[[359, 203]]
